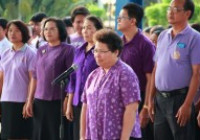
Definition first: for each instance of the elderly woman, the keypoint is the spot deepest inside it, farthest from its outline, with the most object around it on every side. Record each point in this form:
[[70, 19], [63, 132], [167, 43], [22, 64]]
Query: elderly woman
[[84, 58], [16, 67], [52, 59], [111, 94]]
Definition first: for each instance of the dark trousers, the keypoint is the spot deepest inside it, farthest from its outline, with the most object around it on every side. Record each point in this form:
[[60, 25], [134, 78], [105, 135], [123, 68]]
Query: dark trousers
[[76, 122], [147, 132], [165, 123]]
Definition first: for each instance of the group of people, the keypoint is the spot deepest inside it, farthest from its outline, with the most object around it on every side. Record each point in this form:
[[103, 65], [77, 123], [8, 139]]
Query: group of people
[[133, 87]]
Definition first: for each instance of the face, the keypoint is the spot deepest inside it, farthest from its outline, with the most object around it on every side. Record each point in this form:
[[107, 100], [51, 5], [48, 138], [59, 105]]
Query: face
[[51, 33], [176, 13], [124, 22], [14, 34], [2, 33], [103, 56], [78, 23], [154, 38], [88, 30], [36, 27]]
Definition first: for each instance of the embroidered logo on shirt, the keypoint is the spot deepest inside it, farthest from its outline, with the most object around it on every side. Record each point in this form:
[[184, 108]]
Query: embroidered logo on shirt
[[181, 45]]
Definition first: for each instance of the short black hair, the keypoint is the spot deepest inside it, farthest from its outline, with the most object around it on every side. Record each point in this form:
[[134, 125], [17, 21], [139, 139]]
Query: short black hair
[[61, 28], [134, 11], [68, 21], [189, 6], [110, 38], [96, 21], [38, 17], [23, 29], [196, 26], [81, 10], [3, 23]]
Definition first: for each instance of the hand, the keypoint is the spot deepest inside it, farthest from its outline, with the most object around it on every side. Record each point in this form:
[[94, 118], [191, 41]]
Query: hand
[[183, 115], [198, 119], [65, 105], [144, 117], [24, 111], [69, 113], [197, 106], [29, 109], [151, 110]]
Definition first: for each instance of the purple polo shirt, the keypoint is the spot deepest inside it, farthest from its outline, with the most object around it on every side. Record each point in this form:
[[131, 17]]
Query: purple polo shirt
[[16, 66], [138, 54], [106, 96], [175, 57], [76, 40], [86, 64], [51, 62]]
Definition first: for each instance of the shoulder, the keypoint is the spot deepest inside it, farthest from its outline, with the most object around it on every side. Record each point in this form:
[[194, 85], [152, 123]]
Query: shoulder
[[144, 41]]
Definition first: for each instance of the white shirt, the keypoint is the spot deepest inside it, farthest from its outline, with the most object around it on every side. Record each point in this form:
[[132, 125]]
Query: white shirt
[[4, 45]]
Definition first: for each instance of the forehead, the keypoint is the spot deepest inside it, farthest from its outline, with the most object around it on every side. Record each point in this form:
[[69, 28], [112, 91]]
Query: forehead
[[100, 45], [88, 22], [177, 3], [123, 12], [50, 23], [79, 18]]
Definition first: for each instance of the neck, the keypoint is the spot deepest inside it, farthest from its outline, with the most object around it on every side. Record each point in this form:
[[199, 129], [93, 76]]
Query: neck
[[106, 69], [55, 43], [178, 28], [89, 46], [17, 46], [129, 35], [2, 38]]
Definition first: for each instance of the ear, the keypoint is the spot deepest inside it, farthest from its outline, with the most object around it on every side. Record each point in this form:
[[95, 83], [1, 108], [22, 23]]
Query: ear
[[188, 13], [116, 52], [133, 21]]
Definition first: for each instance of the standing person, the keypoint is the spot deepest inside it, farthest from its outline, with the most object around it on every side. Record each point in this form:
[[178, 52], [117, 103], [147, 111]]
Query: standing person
[[16, 67], [36, 23], [138, 52], [111, 94], [44, 99], [84, 58], [4, 43], [175, 76], [78, 15]]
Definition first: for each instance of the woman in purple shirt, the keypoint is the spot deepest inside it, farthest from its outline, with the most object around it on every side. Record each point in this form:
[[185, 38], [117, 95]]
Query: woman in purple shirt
[[111, 94], [16, 67], [52, 59], [84, 58]]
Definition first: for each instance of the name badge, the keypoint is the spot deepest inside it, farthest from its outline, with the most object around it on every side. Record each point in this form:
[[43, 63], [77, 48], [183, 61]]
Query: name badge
[[181, 45]]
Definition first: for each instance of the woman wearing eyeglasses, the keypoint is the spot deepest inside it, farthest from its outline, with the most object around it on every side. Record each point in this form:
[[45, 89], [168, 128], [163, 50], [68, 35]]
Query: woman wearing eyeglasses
[[44, 99], [111, 94], [84, 58]]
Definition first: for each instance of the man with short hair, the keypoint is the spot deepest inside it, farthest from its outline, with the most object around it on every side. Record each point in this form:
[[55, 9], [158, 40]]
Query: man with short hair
[[4, 43], [36, 23], [137, 52], [78, 15], [175, 76]]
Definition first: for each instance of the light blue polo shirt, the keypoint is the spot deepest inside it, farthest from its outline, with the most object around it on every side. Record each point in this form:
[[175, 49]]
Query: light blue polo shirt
[[175, 57], [15, 66]]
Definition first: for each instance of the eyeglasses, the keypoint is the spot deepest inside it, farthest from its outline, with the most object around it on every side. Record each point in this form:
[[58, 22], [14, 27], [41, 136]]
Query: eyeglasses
[[99, 51], [122, 18], [175, 9]]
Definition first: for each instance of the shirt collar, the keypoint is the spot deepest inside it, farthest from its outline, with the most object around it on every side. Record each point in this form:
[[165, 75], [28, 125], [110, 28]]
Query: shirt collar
[[133, 39], [23, 48], [184, 31]]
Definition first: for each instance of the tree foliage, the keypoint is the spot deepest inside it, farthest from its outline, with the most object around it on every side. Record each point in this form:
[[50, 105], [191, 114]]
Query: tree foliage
[[24, 9], [155, 14]]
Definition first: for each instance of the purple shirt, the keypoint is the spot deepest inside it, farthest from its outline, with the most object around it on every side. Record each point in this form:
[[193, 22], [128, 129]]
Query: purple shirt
[[86, 64], [51, 62], [16, 66], [138, 54], [106, 96], [76, 40], [175, 57]]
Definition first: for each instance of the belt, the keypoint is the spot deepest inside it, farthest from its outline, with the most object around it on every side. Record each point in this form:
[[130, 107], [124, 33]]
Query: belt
[[168, 94]]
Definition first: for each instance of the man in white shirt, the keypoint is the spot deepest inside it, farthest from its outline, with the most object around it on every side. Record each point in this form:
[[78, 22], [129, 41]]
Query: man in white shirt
[[4, 43]]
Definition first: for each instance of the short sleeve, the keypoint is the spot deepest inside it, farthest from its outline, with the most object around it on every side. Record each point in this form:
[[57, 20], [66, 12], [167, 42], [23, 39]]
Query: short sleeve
[[129, 86], [195, 50]]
